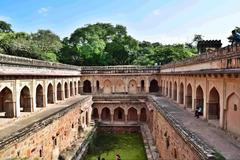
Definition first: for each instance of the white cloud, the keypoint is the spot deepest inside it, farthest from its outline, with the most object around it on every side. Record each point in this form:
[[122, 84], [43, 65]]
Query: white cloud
[[5, 18], [44, 10]]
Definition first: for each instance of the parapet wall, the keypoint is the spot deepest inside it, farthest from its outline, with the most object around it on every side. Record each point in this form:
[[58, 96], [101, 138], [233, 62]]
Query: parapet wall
[[47, 137], [222, 58], [173, 140]]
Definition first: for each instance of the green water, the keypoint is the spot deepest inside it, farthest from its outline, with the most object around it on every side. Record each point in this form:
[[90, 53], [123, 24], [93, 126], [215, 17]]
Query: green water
[[129, 146]]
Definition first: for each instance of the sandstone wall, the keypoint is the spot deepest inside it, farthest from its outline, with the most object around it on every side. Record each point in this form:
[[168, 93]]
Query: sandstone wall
[[173, 141], [46, 138]]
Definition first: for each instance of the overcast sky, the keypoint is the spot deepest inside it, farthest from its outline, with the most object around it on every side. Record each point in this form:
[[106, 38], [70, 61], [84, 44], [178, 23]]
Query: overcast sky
[[165, 21]]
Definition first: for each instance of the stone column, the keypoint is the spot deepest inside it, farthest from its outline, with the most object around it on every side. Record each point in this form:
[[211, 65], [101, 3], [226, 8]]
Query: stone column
[[45, 93], [147, 86], [125, 115], [16, 97], [112, 118], [33, 95]]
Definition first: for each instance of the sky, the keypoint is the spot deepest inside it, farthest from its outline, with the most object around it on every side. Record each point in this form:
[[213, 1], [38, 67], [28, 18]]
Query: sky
[[164, 21]]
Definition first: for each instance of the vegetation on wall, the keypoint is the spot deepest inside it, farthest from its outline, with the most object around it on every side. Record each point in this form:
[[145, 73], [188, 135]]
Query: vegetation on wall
[[93, 44]]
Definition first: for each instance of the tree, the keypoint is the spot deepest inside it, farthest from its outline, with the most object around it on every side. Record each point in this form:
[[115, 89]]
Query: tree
[[235, 36], [5, 27]]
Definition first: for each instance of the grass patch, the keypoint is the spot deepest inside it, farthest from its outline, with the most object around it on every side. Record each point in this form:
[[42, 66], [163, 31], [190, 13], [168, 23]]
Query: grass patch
[[129, 146]]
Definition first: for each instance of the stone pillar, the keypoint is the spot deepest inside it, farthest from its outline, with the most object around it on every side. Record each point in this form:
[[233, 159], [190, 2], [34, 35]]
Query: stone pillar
[[112, 118], [45, 93], [147, 86], [138, 120], [33, 94], [16, 97], [68, 89], [125, 115]]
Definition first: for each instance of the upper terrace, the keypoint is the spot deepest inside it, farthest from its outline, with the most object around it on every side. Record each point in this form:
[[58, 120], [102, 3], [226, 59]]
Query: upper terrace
[[223, 58]]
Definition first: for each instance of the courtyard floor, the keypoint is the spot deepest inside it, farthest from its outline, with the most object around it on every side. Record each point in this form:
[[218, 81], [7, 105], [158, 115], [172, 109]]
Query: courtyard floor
[[219, 139], [12, 125]]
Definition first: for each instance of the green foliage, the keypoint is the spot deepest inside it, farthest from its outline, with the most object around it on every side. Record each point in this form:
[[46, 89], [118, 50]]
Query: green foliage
[[93, 44], [235, 36], [107, 145], [218, 156], [5, 27]]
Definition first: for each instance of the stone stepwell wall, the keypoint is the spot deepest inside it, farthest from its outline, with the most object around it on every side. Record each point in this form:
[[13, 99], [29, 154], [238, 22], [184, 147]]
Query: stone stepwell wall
[[173, 140], [46, 138]]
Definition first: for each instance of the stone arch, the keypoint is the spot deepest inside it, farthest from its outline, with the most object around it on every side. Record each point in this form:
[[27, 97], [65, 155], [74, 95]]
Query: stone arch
[[25, 100], [75, 88], [143, 115], [105, 114], [175, 91], [132, 86], [50, 93], [142, 86], [214, 104], [6, 102], [107, 87], [97, 85], [233, 114], [59, 91], [71, 88], [119, 87], [87, 87], [66, 90], [199, 98], [170, 89], [119, 114], [79, 90], [181, 93], [95, 114], [189, 96], [132, 114], [39, 96], [153, 86]]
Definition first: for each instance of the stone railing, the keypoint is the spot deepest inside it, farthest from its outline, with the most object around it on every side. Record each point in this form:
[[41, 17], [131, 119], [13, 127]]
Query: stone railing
[[222, 53], [119, 69], [22, 61]]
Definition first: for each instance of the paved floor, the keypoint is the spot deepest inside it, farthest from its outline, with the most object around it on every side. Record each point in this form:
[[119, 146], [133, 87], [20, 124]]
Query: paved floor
[[215, 137], [23, 121]]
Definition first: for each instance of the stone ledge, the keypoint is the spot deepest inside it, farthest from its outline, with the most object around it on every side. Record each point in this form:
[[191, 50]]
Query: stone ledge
[[38, 125], [202, 148]]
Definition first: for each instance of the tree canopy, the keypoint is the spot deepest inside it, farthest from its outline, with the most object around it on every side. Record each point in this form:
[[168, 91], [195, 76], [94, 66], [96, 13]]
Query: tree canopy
[[92, 44]]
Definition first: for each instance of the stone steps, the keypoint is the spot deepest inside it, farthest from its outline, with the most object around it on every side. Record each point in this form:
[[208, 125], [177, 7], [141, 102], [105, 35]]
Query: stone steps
[[150, 147]]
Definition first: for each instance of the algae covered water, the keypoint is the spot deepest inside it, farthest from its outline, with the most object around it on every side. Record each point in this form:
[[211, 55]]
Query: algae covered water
[[106, 145]]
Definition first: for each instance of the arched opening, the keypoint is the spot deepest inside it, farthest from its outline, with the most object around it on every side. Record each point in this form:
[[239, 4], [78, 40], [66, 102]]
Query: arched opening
[[119, 114], [143, 115], [167, 89], [71, 89], [119, 88], [75, 88], [189, 96], [6, 103], [181, 94], [170, 90], [233, 114], [142, 86], [132, 87], [59, 91], [132, 114], [50, 93], [25, 100], [79, 90], [66, 90], [153, 86], [213, 104], [105, 115], [87, 86], [97, 85], [87, 121], [107, 87], [95, 113], [199, 99], [175, 91], [39, 96]]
